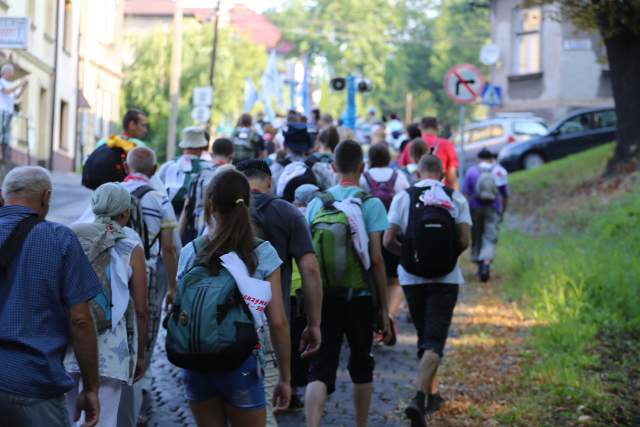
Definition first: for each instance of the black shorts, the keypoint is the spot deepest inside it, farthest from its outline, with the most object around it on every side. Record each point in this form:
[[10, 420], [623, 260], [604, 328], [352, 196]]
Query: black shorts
[[431, 306], [354, 319], [390, 263], [297, 323]]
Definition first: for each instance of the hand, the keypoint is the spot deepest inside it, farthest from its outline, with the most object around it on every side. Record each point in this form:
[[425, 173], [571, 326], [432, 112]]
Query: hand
[[281, 397], [171, 296], [139, 373], [88, 403], [310, 341], [384, 323]]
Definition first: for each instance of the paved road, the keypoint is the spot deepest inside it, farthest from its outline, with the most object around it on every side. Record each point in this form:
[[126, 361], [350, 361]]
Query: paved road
[[394, 378]]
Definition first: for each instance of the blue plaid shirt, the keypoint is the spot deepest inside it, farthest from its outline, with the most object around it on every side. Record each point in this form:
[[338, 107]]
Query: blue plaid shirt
[[50, 275]]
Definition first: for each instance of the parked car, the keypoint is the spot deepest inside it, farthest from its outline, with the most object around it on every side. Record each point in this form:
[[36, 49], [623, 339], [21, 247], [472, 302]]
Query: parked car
[[504, 129], [581, 130]]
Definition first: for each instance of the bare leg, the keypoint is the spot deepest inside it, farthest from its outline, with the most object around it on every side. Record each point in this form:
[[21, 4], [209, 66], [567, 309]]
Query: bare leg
[[210, 413], [394, 296], [362, 400], [314, 400], [428, 367], [434, 384], [246, 417]]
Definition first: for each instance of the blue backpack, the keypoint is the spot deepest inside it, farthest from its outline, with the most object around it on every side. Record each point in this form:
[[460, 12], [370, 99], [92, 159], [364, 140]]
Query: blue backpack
[[210, 327]]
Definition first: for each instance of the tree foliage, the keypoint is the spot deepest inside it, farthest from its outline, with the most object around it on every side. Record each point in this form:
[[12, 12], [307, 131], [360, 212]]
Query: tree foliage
[[146, 84]]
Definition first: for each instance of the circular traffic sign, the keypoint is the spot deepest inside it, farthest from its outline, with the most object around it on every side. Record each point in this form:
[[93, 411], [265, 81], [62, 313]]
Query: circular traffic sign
[[489, 54], [201, 114], [463, 83]]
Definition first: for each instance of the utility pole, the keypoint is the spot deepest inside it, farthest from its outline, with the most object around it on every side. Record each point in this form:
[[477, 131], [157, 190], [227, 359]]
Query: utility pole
[[174, 83], [214, 53]]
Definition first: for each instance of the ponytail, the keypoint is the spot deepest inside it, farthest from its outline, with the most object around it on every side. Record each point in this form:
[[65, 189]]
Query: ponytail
[[228, 196]]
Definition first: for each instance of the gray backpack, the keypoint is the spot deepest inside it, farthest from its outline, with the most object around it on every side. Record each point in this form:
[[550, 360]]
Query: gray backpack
[[486, 188]]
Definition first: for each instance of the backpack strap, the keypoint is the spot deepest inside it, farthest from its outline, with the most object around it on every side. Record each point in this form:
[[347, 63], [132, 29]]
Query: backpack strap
[[448, 191], [139, 193], [13, 245], [370, 181], [327, 199]]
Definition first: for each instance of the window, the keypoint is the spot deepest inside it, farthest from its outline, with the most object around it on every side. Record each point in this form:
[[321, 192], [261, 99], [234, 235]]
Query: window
[[579, 123], [64, 126], [604, 119], [49, 17], [485, 132], [529, 128], [67, 24], [526, 55]]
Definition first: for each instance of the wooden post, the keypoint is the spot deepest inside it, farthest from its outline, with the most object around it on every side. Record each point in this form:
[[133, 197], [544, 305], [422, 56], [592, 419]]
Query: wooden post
[[408, 111]]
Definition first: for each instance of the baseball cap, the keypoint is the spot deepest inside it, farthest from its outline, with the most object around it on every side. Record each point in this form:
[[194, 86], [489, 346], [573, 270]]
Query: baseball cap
[[256, 164], [297, 138]]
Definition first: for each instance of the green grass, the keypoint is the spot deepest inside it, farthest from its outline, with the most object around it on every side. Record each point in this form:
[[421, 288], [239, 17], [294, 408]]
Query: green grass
[[579, 284]]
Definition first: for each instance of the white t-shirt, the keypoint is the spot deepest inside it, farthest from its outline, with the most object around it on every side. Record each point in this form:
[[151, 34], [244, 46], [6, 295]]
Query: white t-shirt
[[6, 100], [172, 173], [399, 215], [384, 175]]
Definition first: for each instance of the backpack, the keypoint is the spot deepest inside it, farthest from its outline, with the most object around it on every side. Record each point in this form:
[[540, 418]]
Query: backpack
[[430, 246], [382, 190], [178, 200], [257, 216], [308, 177], [486, 190], [136, 219], [195, 208], [340, 265], [97, 252], [105, 164], [244, 144], [210, 327]]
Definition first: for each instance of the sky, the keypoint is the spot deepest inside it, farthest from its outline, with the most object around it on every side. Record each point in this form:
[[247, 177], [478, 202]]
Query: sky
[[257, 5]]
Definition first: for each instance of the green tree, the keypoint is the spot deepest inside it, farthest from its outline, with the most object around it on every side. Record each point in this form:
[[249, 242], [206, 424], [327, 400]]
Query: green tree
[[618, 23], [146, 83]]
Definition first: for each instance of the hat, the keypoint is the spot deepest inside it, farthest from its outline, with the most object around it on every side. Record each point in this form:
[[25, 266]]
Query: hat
[[297, 138], [304, 194], [259, 165], [193, 137], [485, 154]]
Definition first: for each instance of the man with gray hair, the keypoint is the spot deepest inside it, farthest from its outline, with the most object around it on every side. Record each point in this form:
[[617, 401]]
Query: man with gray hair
[[162, 259], [434, 222], [47, 282], [9, 92]]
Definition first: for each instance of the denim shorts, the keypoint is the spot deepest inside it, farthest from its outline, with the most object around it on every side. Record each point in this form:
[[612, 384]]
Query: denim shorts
[[242, 388], [18, 410]]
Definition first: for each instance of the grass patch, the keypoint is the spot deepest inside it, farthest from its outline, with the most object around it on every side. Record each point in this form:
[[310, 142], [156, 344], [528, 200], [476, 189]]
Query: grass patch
[[579, 284]]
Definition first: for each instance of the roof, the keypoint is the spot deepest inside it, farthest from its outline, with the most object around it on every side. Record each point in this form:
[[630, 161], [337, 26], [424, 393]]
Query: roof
[[164, 8]]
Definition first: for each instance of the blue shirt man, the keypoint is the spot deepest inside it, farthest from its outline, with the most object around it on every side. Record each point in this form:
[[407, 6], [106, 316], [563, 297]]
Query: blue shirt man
[[43, 309]]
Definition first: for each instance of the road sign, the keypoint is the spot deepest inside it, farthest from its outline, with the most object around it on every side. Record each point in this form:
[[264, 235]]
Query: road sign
[[489, 54], [201, 113], [202, 96], [491, 95], [463, 83], [14, 32]]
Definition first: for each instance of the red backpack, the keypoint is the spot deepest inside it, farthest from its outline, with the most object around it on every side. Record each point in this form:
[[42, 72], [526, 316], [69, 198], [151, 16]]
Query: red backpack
[[382, 190]]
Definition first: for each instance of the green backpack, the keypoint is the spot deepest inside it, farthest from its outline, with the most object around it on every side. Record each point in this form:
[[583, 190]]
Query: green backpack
[[210, 327], [340, 265]]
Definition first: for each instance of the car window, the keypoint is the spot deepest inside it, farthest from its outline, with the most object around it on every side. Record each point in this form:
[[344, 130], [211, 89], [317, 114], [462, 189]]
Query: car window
[[484, 132], [579, 123], [529, 128], [604, 119]]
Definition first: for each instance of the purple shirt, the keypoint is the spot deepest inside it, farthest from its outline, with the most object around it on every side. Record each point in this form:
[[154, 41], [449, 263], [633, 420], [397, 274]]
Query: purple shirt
[[471, 179]]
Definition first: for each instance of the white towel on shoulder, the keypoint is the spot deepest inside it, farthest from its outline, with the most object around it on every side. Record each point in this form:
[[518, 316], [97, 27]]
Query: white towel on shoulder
[[292, 170], [352, 208]]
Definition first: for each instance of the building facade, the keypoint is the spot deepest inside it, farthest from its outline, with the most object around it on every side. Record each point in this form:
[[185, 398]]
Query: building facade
[[546, 66]]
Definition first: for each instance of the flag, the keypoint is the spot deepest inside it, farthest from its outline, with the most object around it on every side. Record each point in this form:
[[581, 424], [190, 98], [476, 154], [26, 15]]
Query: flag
[[270, 82], [250, 95], [306, 98]]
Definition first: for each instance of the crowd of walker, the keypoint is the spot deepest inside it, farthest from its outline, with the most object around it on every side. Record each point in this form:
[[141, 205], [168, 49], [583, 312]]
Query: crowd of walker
[[259, 253]]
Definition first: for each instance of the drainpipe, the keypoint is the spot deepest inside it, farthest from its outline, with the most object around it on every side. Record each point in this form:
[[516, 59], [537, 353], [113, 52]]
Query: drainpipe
[[54, 92]]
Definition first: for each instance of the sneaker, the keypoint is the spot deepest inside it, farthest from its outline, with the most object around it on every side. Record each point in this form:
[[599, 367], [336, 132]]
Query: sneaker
[[434, 403], [415, 411], [485, 272]]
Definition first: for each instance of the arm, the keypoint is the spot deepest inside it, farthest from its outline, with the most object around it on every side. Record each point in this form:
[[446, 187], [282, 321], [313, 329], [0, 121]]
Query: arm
[[452, 177], [312, 291], [464, 234], [279, 328], [85, 347], [170, 258], [379, 278], [390, 240], [138, 289]]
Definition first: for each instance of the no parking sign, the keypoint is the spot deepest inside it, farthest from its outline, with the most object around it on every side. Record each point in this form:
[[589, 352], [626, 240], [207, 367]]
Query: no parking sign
[[463, 83]]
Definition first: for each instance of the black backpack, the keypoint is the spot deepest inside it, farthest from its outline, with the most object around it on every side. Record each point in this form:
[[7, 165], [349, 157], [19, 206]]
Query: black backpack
[[257, 216], [105, 164], [308, 177], [430, 247], [136, 219]]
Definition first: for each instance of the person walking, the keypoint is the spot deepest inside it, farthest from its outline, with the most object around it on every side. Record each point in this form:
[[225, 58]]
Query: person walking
[[47, 283], [247, 142], [433, 222], [237, 397], [178, 174], [384, 183], [486, 187], [117, 257], [347, 305], [158, 223], [281, 224], [9, 93], [134, 131]]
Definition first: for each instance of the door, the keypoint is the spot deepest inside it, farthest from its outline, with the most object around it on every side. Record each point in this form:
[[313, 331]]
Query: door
[[604, 127]]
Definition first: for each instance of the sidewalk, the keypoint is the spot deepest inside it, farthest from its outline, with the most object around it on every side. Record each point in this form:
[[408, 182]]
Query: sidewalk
[[69, 198]]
